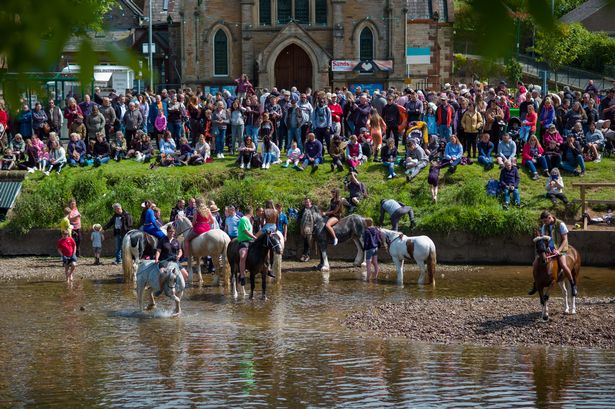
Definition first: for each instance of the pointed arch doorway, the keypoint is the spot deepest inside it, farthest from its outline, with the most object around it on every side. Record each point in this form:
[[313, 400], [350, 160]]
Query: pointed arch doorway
[[293, 67]]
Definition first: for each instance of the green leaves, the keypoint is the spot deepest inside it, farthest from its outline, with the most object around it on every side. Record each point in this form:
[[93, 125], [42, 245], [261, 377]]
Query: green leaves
[[86, 59]]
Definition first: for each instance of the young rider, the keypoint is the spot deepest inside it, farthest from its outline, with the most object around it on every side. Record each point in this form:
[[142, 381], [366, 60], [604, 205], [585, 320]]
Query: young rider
[[558, 244]]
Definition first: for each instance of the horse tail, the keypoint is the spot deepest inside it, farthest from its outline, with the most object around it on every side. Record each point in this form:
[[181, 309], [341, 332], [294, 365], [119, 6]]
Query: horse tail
[[127, 261], [431, 264], [277, 259]]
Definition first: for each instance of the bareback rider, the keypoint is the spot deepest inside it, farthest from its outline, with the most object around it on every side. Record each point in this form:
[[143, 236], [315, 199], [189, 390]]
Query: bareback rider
[[558, 246]]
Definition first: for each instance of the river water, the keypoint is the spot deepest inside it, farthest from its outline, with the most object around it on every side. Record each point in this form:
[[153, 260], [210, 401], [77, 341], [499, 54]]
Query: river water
[[289, 351]]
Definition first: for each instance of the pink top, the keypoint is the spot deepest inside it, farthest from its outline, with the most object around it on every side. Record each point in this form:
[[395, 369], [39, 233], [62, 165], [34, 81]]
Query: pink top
[[201, 225], [160, 123], [75, 218]]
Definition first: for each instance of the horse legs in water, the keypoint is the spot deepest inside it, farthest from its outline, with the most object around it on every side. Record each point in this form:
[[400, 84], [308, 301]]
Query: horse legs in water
[[324, 265], [359, 260], [152, 302], [140, 296], [422, 270], [562, 286], [399, 267], [263, 283]]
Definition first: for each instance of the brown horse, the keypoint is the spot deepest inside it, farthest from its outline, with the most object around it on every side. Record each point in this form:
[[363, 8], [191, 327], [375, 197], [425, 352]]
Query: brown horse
[[547, 271]]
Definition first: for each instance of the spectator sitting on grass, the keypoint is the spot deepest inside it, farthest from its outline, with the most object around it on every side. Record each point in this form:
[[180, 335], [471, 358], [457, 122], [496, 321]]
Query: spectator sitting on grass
[[416, 159], [509, 183], [452, 154], [101, 150], [533, 156], [485, 147], [354, 155], [507, 151], [76, 151], [555, 187], [336, 150], [572, 157], [552, 135], [313, 153], [553, 155], [594, 142], [356, 191], [389, 157]]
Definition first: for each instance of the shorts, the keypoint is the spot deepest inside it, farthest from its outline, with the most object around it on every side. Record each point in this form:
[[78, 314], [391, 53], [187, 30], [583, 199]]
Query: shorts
[[69, 260], [370, 253], [270, 228], [97, 249], [244, 244]]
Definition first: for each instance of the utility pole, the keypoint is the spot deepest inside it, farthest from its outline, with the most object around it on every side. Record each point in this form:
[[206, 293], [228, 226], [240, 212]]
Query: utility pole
[[150, 60]]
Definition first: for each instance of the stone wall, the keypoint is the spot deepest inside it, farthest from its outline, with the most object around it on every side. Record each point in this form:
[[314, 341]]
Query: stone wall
[[455, 248]]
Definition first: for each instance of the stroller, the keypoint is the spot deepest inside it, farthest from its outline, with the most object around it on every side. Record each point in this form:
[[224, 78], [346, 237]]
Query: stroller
[[514, 129]]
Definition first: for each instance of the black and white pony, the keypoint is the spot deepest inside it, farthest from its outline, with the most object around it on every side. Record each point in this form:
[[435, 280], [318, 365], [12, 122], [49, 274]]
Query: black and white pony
[[256, 262], [136, 246], [170, 283], [349, 227]]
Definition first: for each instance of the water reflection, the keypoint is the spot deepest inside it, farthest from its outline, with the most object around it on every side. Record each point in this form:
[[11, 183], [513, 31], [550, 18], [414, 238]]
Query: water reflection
[[289, 351]]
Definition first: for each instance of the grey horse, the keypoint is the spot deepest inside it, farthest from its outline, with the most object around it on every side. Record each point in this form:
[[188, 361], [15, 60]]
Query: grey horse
[[350, 227]]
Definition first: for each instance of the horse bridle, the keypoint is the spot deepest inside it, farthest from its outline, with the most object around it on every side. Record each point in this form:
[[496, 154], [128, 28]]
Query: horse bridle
[[179, 234], [269, 242]]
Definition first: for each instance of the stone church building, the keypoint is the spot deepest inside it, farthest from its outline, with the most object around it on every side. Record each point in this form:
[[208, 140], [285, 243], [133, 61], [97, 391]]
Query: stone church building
[[316, 43]]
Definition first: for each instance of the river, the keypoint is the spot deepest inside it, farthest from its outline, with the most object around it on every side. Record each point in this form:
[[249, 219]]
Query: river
[[89, 347]]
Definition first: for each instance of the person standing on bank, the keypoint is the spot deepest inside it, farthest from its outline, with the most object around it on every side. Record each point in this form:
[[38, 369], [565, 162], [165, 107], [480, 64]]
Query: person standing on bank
[[396, 210], [121, 221]]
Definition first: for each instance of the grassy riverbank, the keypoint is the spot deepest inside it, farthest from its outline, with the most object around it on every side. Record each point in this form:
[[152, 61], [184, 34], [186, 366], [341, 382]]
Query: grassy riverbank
[[462, 205]]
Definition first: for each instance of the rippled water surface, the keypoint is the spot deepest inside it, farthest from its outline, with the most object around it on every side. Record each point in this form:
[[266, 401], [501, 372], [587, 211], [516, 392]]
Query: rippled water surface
[[289, 351]]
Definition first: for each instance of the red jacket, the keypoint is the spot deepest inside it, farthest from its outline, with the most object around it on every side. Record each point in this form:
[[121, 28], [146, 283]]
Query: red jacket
[[444, 118], [336, 112], [67, 246], [4, 119], [526, 156], [530, 120]]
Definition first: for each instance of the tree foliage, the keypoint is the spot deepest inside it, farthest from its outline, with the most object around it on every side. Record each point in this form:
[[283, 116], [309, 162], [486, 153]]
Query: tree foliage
[[560, 46], [34, 34]]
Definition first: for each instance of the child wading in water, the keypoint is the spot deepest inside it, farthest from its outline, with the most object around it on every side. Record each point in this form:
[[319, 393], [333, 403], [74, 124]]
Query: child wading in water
[[371, 242], [97, 238], [68, 248]]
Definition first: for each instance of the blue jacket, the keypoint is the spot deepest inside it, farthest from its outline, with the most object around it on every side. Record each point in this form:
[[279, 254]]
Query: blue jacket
[[509, 177], [453, 150]]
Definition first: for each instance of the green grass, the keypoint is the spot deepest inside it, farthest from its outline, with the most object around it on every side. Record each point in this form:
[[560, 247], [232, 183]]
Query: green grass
[[462, 205]]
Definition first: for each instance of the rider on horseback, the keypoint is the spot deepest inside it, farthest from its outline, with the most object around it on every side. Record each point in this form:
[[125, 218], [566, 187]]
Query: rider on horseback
[[334, 213], [271, 226], [244, 237], [149, 221], [201, 223], [558, 246], [168, 251]]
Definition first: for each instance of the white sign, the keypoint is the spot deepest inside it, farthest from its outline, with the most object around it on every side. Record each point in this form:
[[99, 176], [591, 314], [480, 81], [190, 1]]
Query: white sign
[[146, 48], [343, 65]]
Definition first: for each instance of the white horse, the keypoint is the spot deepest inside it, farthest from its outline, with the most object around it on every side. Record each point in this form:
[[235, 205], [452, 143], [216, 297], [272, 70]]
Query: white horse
[[420, 248], [134, 246], [210, 244], [172, 280]]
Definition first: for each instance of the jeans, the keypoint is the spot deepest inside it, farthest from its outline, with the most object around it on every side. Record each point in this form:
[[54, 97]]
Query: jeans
[[268, 157], [316, 162], [412, 171], [296, 134], [399, 213], [80, 162], [485, 160], [542, 162], [324, 136], [553, 161], [177, 130], [444, 132], [524, 134], [118, 248], [57, 166], [252, 132], [571, 166], [102, 159], [516, 196], [390, 167], [220, 136], [236, 136]]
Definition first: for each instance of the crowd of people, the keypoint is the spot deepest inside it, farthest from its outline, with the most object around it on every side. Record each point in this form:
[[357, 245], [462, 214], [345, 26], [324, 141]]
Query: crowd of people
[[405, 130]]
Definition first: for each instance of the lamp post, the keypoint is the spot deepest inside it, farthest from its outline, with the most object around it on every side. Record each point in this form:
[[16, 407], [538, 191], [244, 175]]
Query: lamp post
[[435, 16], [150, 54]]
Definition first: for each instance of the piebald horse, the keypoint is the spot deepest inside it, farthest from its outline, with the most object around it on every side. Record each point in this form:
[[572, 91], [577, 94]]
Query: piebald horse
[[349, 227], [137, 245], [420, 248], [546, 271], [172, 280], [210, 244]]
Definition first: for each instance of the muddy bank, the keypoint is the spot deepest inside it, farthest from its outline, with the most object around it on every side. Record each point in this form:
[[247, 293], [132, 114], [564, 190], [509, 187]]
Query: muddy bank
[[491, 321]]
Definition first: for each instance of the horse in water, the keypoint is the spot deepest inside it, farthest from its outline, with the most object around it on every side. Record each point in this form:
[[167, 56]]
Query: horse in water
[[172, 282], [137, 245], [213, 243], [420, 248], [547, 271], [256, 261], [349, 227]]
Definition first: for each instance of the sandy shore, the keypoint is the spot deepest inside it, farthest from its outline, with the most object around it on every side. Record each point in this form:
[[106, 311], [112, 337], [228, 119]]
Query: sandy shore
[[491, 321]]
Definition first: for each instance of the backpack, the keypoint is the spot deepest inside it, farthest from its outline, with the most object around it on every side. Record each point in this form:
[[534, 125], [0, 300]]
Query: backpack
[[492, 188]]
